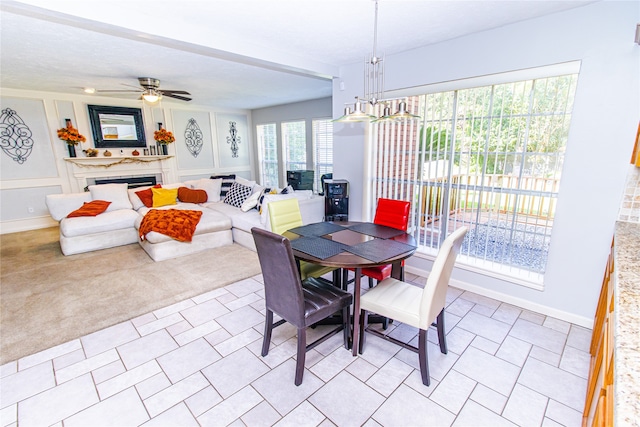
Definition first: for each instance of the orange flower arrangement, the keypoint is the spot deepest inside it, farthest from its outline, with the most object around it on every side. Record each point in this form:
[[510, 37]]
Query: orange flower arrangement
[[70, 135], [163, 136]]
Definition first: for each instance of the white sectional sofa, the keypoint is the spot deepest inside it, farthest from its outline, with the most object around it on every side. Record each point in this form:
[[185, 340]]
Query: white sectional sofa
[[221, 223]]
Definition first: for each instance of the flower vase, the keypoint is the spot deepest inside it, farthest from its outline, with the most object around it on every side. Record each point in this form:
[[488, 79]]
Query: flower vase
[[165, 150], [72, 150]]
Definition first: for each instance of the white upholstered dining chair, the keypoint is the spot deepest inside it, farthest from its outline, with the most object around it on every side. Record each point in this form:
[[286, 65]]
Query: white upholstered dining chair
[[413, 306]]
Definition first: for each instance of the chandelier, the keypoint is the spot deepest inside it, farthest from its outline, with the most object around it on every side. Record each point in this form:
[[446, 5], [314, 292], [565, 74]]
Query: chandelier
[[374, 91]]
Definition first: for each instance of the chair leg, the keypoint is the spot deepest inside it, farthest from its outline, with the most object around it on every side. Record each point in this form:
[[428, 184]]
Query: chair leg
[[363, 325], [268, 327], [442, 338], [370, 282], [346, 322], [422, 357], [345, 279], [302, 350], [385, 323], [337, 278]]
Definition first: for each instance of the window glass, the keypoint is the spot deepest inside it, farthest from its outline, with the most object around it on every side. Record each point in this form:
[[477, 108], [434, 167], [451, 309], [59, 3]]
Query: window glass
[[489, 158]]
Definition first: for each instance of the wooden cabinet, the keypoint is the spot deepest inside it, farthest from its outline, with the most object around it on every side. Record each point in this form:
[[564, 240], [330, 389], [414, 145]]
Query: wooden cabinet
[[598, 408]]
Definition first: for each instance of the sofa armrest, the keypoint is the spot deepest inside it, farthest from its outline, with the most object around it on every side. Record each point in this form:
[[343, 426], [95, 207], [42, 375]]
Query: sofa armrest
[[61, 205]]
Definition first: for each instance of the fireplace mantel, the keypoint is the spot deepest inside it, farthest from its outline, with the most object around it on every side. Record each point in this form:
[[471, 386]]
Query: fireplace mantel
[[107, 162], [82, 168]]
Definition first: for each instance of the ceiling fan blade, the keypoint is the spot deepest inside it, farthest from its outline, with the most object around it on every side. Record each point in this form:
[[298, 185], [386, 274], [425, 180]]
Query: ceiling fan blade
[[179, 92], [170, 95], [135, 87], [124, 90]]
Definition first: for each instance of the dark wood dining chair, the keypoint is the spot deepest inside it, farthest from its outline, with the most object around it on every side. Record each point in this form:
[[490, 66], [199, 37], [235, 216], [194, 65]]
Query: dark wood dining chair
[[406, 303], [299, 302]]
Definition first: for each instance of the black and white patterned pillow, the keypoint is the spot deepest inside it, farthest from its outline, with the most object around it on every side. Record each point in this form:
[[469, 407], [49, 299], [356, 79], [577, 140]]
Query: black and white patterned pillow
[[266, 190], [227, 181], [237, 194]]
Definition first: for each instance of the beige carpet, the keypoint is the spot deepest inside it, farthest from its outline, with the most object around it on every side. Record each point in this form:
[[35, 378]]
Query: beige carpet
[[48, 298]]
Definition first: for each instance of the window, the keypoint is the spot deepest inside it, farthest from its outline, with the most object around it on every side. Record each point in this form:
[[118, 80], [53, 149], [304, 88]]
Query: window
[[322, 150], [298, 151], [489, 158], [268, 154], [294, 145]]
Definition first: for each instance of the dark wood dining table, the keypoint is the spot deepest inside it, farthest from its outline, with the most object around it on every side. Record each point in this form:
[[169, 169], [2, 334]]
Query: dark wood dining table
[[352, 245]]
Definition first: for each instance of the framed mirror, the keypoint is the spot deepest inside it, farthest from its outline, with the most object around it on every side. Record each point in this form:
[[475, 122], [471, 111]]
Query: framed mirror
[[116, 126]]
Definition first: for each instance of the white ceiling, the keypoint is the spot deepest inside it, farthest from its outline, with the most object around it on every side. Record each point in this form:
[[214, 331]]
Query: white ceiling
[[242, 54]]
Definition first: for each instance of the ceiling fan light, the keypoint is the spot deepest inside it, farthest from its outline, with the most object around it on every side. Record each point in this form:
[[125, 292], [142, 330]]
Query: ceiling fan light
[[151, 96]]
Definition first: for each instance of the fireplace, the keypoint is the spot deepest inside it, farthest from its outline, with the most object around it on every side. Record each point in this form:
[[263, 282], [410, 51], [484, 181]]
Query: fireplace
[[135, 171], [131, 181]]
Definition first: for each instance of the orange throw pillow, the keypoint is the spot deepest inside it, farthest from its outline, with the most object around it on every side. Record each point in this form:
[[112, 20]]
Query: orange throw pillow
[[146, 196], [93, 208], [188, 195]]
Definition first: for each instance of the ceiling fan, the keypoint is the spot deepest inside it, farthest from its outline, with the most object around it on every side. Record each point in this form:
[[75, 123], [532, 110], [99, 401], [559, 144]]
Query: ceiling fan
[[150, 91]]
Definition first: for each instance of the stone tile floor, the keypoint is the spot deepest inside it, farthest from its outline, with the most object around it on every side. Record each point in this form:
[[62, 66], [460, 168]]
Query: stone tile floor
[[198, 363]]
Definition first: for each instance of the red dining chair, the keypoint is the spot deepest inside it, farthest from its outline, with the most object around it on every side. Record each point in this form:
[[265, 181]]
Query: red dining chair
[[392, 213]]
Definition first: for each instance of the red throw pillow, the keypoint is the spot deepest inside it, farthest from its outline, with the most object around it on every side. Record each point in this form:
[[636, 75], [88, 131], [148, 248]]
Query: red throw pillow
[[93, 208], [188, 195], [146, 196]]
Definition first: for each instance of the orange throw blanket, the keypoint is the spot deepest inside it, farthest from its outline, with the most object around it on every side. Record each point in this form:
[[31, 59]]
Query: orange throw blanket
[[176, 223]]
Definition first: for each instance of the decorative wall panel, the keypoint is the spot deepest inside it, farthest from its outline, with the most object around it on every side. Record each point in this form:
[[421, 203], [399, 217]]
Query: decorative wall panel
[[194, 142], [27, 150], [233, 140]]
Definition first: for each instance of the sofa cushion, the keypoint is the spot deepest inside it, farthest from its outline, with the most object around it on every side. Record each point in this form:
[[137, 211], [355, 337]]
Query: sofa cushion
[[237, 194], [192, 196], [145, 196], [108, 221], [92, 208], [164, 196], [60, 205], [227, 181], [210, 221], [239, 219], [115, 193], [211, 186], [264, 192], [251, 202], [244, 181]]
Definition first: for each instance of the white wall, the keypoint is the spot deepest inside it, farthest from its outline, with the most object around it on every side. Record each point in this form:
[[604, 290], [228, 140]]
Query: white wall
[[22, 204], [603, 128]]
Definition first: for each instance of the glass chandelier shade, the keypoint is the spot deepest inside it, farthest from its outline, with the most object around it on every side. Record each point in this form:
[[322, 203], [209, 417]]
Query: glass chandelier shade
[[374, 90]]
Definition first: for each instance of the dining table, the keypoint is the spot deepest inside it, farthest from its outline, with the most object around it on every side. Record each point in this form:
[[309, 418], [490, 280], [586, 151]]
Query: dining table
[[352, 245]]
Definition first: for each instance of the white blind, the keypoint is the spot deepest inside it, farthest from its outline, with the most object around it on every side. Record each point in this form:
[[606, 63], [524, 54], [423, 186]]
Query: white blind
[[268, 154], [322, 149], [294, 141]]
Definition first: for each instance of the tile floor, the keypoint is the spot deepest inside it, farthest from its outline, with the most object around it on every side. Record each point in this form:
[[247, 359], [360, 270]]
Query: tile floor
[[198, 363]]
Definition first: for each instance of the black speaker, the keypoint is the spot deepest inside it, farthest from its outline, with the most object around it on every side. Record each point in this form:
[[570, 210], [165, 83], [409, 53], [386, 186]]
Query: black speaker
[[300, 180], [336, 200]]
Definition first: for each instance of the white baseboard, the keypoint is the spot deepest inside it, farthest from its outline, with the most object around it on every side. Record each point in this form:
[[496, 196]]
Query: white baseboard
[[37, 223], [509, 299]]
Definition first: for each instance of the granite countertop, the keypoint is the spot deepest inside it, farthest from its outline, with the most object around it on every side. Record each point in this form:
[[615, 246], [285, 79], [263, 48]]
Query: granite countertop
[[627, 323]]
